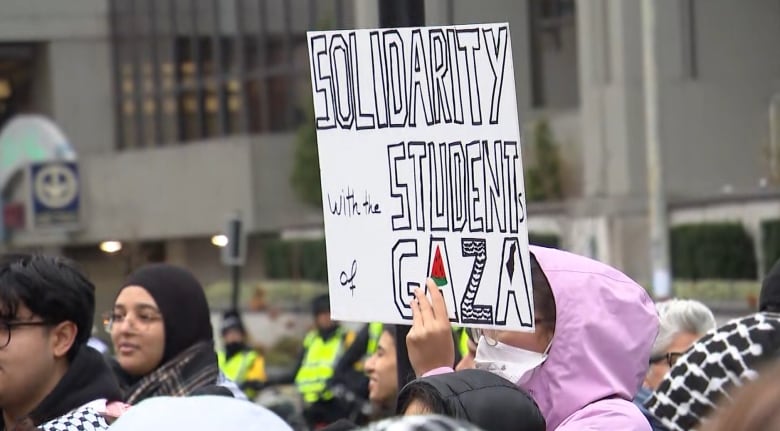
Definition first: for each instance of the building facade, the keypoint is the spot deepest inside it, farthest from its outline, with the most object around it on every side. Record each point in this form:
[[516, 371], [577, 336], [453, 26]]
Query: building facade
[[183, 111]]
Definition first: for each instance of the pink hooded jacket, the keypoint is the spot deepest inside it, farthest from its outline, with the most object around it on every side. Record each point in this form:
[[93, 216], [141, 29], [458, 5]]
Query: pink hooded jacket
[[605, 326]]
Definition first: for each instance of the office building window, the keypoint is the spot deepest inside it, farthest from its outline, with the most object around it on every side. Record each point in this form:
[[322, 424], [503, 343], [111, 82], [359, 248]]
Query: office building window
[[188, 70], [17, 63]]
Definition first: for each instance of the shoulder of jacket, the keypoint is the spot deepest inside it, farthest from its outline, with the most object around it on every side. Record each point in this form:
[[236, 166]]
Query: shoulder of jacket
[[606, 415]]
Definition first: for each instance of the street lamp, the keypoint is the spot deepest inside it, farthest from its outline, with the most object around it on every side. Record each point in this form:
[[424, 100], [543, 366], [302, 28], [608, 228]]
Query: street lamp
[[110, 247], [220, 240]]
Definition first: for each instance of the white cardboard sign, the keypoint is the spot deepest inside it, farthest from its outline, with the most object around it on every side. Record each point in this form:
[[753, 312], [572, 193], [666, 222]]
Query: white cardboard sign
[[419, 150]]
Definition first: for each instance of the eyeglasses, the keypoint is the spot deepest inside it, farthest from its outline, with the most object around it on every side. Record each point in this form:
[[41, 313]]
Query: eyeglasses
[[7, 326], [670, 358], [141, 320]]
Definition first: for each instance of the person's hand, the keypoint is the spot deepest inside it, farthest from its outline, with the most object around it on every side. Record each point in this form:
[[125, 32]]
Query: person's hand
[[429, 341]]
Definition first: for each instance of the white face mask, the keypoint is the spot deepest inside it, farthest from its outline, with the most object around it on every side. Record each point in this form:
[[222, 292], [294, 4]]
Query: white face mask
[[512, 363]]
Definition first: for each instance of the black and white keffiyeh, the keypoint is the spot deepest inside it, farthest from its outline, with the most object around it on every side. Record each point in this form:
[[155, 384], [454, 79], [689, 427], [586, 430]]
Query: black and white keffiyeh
[[724, 358], [420, 423], [81, 419]]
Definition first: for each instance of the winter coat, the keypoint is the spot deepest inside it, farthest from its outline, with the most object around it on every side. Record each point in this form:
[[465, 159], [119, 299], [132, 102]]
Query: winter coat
[[604, 329], [480, 397]]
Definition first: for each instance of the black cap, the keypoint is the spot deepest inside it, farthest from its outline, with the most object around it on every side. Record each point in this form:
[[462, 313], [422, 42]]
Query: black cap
[[320, 304], [232, 320]]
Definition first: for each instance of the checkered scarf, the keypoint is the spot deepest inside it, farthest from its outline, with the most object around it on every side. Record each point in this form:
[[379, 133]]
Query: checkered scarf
[[712, 367], [420, 423], [191, 369]]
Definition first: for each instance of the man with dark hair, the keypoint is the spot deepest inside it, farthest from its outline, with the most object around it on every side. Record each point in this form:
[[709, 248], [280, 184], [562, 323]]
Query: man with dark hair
[[49, 378]]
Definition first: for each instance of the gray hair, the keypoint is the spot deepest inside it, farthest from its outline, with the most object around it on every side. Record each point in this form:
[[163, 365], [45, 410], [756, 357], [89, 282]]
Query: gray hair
[[679, 316]]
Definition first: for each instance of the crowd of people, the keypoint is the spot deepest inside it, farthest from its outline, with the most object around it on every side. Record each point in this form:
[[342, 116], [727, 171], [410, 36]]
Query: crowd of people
[[603, 356]]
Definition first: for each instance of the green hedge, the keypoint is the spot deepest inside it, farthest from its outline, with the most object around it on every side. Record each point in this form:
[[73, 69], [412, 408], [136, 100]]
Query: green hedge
[[712, 251], [283, 259], [770, 244], [544, 239]]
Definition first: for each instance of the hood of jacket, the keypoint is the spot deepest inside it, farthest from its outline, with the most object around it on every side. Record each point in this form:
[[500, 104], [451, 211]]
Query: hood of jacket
[[604, 329]]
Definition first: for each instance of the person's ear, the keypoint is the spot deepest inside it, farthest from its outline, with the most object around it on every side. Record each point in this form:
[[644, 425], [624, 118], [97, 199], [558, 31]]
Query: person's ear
[[62, 338]]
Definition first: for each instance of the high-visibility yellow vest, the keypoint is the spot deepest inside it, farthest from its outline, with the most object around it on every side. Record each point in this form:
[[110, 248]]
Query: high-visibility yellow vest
[[238, 366], [374, 332], [319, 360], [463, 340]]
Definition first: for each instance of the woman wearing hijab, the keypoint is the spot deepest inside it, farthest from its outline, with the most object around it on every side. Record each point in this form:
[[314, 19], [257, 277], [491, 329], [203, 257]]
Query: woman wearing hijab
[[163, 340]]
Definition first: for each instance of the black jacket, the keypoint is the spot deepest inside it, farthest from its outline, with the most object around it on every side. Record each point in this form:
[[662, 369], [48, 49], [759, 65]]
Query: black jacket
[[480, 397]]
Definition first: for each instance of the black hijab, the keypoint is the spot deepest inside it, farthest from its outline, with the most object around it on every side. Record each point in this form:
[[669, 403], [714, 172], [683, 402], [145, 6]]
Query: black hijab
[[182, 303]]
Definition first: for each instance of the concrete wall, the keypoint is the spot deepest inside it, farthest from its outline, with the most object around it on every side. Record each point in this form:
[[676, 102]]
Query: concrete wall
[[82, 94], [610, 84], [275, 204], [714, 123], [44, 20], [166, 192]]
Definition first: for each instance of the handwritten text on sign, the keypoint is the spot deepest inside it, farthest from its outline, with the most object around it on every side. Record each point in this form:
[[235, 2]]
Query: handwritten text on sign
[[422, 173]]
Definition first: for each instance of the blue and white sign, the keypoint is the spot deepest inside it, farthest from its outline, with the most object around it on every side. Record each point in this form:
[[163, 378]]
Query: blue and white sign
[[55, 200]]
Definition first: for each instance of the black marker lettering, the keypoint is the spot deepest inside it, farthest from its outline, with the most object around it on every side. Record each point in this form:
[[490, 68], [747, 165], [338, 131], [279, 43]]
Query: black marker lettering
[[468, 42], [496, 50], [474, 157], [469, 310], [458, 185], [417, 154], [340, 67], [441, 87], [398, 190], [418, 82], [457, 92], [403, 249], [495, 186], [396, 77], [511, 285], [379, 87], [438, 185], [323, 84], [511, 156], [364, 119]]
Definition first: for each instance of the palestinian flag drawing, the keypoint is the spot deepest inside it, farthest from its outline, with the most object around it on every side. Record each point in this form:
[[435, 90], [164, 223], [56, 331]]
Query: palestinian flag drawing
[[437, 269]]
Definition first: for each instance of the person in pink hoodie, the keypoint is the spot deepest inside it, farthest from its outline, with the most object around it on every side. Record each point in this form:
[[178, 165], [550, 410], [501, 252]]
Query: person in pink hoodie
[[588, 357]]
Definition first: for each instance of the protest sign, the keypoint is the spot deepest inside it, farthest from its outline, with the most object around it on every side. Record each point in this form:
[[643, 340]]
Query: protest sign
[[419, 149]]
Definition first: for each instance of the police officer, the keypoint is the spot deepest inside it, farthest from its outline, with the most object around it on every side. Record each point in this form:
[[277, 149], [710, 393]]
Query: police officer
[[238, 361], [323, 346]]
